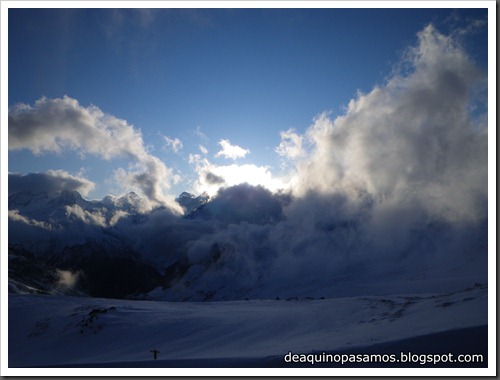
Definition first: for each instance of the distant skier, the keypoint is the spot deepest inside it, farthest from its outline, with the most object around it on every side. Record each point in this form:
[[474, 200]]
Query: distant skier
[[155, 353]]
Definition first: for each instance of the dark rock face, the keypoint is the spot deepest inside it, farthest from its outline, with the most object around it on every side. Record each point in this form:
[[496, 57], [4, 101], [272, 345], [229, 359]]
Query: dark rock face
[[117, 277], [30, 274], [96, 275]]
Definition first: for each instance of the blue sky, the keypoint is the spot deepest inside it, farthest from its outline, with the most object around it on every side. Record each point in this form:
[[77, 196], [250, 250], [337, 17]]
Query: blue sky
[[203, 76]]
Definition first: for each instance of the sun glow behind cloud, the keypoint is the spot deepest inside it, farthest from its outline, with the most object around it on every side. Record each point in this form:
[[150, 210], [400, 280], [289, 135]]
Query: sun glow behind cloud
[[408, 141], [212, 177]]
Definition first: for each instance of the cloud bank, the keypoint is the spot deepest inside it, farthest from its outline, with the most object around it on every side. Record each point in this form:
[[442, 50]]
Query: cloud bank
[[411, 142], [397, 186], [53, 181]]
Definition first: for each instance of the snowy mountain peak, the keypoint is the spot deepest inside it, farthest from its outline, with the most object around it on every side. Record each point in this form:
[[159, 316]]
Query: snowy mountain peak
[[128, 202], [25, 199], [191, 202], [68, 198], [185, 195], [28, 198]]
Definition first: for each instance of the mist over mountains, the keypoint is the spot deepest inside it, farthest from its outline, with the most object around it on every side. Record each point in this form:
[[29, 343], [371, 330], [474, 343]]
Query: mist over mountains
[[390, 195], [246, 242]]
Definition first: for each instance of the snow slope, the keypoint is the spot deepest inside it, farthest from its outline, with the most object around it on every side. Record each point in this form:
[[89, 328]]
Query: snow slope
[[63, 330]]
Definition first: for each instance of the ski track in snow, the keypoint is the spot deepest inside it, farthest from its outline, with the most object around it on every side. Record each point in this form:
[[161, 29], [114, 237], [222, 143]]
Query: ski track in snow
[[62, 330]]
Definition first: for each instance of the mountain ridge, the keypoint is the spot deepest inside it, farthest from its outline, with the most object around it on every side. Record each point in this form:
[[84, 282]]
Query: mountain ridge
[[246, 242]]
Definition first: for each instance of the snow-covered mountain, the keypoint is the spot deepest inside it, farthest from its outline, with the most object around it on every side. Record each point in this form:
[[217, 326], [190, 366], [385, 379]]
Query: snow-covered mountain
[[57, 208], [190, 202], [65, 233], [244, 243], [295, 276]]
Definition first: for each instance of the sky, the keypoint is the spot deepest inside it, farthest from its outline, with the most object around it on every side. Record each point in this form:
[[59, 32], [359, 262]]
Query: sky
[[160, 101]]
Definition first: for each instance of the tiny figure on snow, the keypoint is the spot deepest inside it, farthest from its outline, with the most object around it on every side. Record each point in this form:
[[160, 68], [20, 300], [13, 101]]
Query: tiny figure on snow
[[155, 353]]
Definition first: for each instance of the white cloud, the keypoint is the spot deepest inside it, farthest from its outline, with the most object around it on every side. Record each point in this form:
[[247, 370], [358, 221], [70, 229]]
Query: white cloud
[[200, 163], [290, 145], [231, 151], [92, 218], [15, 216], [174, 144], [146, 177], [55, 125], [67, 279], [212, 177], [248, 173], [408, 142], [203, 149]]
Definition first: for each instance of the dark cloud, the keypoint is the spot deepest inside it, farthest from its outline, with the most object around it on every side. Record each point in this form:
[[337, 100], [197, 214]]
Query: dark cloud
[[214, 179], [242, 203], [52, 181]]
